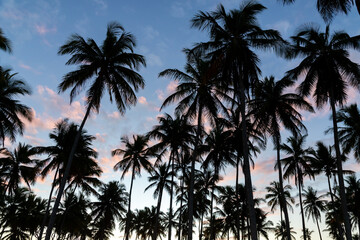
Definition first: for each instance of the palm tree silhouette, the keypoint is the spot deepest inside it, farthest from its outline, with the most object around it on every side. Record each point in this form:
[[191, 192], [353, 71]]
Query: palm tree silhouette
[[109, 207], [281, 233], [272, 108], [175, 135], [134, 157], [314, 205], [199, 96], [349, 131], [19, 165], [10, 108], [233, 34], [328, 71], [297, 164], [353, 194], [274, 194], [109, 66], [161, 178], [5, 43]]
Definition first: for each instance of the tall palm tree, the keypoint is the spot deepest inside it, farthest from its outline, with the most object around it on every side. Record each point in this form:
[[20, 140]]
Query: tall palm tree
[[134, 157], [174, 135], [233, 35], [353, 194], [160, 179], [314, 205], [349, 132], [328, 71], [272, 107], [198, 96], [5, 43], [297, 164], [274, 194], [109, 207], [19, 165], [110, 66], [10, 108]]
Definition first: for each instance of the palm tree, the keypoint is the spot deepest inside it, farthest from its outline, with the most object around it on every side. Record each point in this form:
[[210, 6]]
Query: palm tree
[[313, 206], [160, 179], [199, 96], [329, 8], [353, 194], [10, 108], [328, 71], [110, 66], [308, 234], [273, 196], [281, 233], [134, 158], [108, 208], [233, 34], [18, 166], [85, 170], [272, 108], [175, 135], [5, 43], [297, 164], [349, 133]]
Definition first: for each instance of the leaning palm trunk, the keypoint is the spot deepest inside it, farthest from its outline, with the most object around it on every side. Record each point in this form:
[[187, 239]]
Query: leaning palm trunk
[[246, 166], [318, 227], [181, 205], [340, 173], [340, 234], [192, 175], [212, 233], [66, 174], [171, 200], [127, 224], [283, 205], [301, 205], [237, 220], [48, 204]]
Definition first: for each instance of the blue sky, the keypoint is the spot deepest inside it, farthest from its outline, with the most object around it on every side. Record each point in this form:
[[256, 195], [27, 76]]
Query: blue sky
[[162, 28]]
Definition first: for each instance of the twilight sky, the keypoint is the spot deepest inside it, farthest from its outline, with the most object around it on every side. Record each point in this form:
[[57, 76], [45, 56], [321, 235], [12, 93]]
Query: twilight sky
[[38, 28]]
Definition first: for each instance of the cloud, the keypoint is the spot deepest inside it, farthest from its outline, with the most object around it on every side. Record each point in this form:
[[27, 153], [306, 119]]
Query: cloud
[[39, 122], [160, 94], [43, 30], [29, 68], [154, 60], [150, 32], [142, 100], [101, 137], [171, 87], [34, 140], [114, 115], [282, 26], [177, 10]]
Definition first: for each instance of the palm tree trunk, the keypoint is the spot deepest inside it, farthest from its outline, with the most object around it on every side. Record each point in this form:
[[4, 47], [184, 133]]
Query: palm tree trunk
[[212, 237], [192, 175], [181, 205], [301, 207], [317, 223], [66, 174], [246, 166], [171, 200], [340, 173], [237, 219], [48, 204], [340, 234], [201, 226], [283, 205], [127, 227]]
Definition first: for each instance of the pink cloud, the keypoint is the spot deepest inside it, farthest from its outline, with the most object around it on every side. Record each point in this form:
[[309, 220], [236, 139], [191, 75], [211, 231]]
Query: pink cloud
[[25, 66], [34, 140], [171, 87], [101, 137], [42, 122], [42, 29], [114, 115], [160, 94], [142, 100]]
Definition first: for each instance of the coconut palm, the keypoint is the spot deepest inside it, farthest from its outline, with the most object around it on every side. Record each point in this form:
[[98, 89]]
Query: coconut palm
[[109, 207], [175, 135], [198, 95], [10, 108], [313, 206], [273, 196], [134, 157], [19, 166], [329, 8], [110, 66], [233, 35], [272, 107], [353, 194], [297, 165], [281, 233], [349, 131], [160, 179], [5, 43], [328, 71]]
